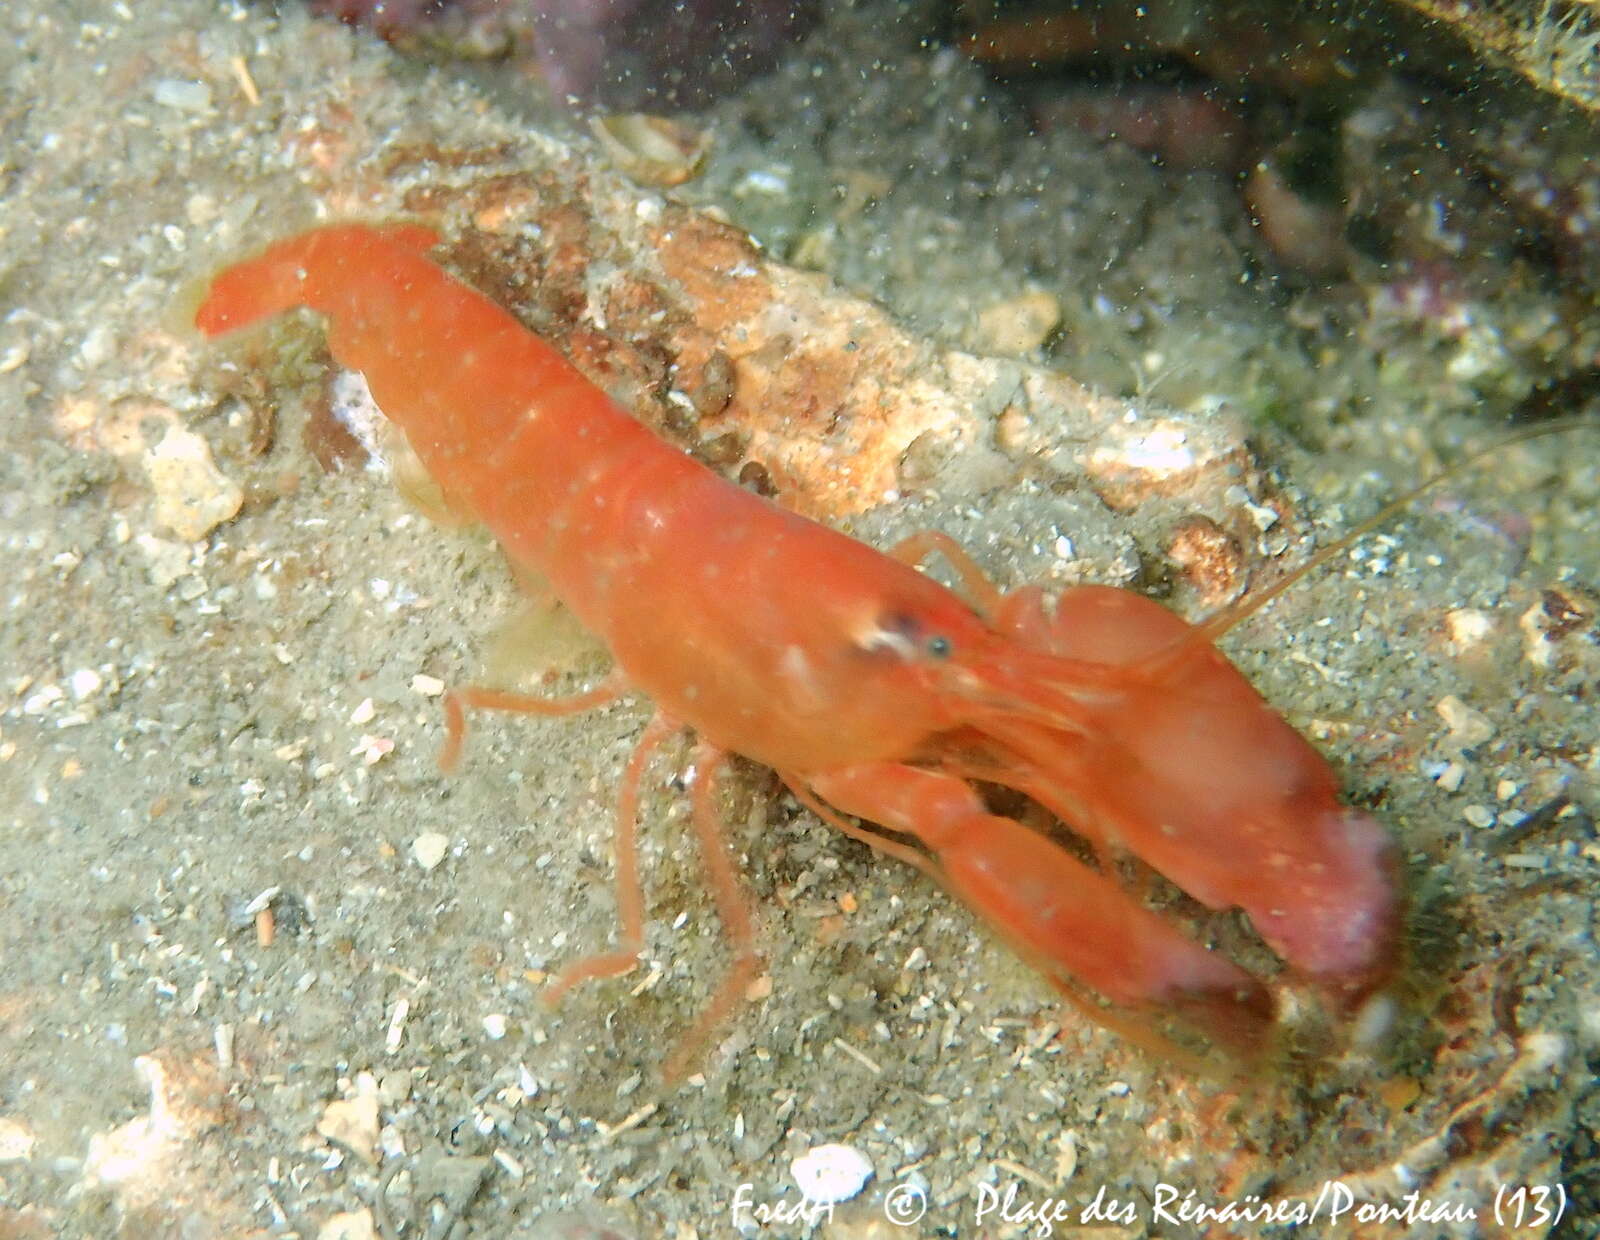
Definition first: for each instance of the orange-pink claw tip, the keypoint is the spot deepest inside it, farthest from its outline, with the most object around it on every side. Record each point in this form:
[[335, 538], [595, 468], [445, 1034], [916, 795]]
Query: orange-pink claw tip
[[1343, 926]]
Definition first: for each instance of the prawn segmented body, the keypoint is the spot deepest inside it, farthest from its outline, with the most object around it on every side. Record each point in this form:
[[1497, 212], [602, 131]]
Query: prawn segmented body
[[878, 694]]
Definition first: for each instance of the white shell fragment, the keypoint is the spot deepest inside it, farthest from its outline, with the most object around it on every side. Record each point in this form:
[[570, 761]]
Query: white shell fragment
[[429, 848], [652, 150], [16, 1142], [829, 1174], [1152, 447], [193, 496]]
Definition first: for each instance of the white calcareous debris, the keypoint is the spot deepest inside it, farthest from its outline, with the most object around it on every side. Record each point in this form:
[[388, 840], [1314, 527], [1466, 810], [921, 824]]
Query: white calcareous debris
[[353, 1122], [167, 560], [40, 701], [829, 1174], [396, 1032], [1468, 627], [1018, 324], [1468, 727], [430, 848], [354, 1225], [652, 150], [193, 496], [16, 1141], [85, 683], [1066, 1156], [137, 1159], [1153, 447], [373, 749], [182, 95]]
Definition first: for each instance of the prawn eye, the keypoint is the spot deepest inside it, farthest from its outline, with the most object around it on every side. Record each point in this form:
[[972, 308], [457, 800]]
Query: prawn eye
[[903, 635]]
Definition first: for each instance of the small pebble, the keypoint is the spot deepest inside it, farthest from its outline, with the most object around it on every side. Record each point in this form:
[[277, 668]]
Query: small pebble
[[84, 683], [1019, 324], [1468, 727], [200, 209], [16, 1142], [1478, 816], [184, 96], [98, 347], [759, 989], [167, 560], [41, 701], [1467, 626], [494, 1025], [430, 848], [394, 1088], [373, 749], [353, 1122], [427, 686], [355, 1225]]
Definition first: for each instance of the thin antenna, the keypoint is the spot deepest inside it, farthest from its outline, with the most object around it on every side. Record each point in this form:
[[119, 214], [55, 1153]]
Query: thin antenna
[[1241, 609]]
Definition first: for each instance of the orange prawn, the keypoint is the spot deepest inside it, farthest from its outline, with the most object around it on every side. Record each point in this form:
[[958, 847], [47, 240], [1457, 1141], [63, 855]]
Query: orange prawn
[[878, 694]]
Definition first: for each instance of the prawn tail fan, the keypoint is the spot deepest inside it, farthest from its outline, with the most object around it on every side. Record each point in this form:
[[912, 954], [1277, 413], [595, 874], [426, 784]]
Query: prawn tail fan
[[286, 275]]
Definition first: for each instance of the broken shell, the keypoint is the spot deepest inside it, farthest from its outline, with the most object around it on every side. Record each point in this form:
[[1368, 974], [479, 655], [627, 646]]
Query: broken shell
[[829, 1174], [1131, 462], [652, 150]]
